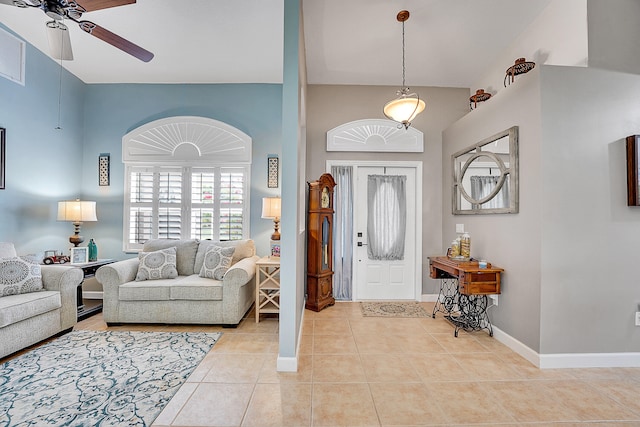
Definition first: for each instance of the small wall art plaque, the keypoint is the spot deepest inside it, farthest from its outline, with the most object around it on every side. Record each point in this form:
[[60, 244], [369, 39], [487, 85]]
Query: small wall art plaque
[[104, 169], [272, 171]]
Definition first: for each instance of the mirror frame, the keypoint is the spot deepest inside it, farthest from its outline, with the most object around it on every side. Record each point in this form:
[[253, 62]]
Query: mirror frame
[[510, 172]]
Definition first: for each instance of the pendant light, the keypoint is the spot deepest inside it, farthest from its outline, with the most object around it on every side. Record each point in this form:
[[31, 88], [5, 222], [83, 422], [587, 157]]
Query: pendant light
[[407, 105]]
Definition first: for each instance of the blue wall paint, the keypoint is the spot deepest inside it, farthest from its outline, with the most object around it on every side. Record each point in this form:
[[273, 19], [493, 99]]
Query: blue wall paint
[[113, 110], [45, 165], [41, 162]]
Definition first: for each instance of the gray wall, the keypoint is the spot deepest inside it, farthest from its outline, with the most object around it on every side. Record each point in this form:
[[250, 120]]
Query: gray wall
[[330, 106], [570, 254], [589, 235], [613, 34], [510, 241]]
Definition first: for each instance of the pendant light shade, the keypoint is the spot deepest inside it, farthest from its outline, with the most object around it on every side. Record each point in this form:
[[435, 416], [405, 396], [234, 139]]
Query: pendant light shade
[[407, 105], [404, 109]]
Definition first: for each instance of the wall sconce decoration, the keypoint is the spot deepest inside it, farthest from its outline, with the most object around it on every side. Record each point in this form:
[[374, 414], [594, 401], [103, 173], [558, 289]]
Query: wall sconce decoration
[[480, 96], [520, 67], [104, 166], [272, 171]]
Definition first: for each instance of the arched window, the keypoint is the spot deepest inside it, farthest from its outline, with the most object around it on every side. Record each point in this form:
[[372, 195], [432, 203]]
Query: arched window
[[186, 177]]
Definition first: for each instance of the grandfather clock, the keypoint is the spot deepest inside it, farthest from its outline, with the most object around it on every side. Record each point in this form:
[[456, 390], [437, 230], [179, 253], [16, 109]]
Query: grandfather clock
[[320, 244]]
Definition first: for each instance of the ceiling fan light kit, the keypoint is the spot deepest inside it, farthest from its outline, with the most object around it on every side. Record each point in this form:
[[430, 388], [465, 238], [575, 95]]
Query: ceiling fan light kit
[[408, 105], [58, 33]]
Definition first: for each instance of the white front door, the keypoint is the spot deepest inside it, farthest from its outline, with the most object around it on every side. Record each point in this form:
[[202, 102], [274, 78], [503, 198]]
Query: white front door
[[384, 279]]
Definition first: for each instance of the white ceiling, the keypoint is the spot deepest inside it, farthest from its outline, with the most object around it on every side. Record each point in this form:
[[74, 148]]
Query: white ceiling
[[449, 43]]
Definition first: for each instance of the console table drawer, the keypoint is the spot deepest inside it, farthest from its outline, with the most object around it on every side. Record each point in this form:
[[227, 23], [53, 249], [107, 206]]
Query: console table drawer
[[479, 283]]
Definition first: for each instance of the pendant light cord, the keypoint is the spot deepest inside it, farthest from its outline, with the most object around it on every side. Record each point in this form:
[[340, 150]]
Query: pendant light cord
[[403, 66], [60, 80]]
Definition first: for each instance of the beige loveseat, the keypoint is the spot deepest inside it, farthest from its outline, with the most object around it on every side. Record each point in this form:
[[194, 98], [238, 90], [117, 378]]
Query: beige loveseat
[[187, 298], [28, 316]]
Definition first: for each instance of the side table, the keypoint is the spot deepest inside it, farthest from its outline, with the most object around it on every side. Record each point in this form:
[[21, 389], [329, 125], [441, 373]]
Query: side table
[[267, 286], [89, 269]]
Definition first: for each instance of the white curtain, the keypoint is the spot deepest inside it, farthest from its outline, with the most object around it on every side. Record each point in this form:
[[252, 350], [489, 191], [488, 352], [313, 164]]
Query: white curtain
[[343, 232], [482, 186], [386, 216]]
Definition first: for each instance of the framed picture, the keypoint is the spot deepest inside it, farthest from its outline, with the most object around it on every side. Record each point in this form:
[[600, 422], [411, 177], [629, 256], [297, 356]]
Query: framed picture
[[3, 131], [633, 185], [79, 255]]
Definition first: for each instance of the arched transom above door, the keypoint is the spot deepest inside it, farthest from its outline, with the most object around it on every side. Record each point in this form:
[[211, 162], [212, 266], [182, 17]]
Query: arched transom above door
[[186, 139], [375, 135]]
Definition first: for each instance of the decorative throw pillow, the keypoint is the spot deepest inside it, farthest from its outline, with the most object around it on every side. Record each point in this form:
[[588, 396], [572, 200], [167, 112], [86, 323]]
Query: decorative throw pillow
[[217, 261], [18, 276], [157, 265]]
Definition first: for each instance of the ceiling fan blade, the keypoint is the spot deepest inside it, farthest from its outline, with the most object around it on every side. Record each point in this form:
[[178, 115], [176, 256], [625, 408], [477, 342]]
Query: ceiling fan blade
[[21, 3], [59, 41], [116, 41], [91, 5]]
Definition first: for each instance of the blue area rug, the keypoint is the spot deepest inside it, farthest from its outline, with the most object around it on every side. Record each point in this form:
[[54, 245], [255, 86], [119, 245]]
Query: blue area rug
[[105, 378]]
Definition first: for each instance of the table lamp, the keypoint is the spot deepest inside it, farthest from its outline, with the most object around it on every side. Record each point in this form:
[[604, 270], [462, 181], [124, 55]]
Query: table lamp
[[77, 212], [271, 209]]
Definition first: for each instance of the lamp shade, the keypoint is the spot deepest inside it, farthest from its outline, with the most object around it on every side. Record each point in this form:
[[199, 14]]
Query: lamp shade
[[77, 211], [271, 207], [404, 109]]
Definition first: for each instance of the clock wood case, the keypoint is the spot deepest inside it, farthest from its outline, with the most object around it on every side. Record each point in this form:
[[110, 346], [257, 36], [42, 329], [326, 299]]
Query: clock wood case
[[320, 243]]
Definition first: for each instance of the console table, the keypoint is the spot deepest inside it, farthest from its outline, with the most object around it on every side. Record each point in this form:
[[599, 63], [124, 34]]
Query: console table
[[464, 285]]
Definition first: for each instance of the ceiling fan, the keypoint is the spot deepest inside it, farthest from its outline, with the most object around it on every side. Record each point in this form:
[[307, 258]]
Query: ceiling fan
[[57, 31]]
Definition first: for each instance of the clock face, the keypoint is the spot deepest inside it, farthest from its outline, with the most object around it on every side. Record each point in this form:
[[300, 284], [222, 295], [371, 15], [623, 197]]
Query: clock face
[[324, 201]]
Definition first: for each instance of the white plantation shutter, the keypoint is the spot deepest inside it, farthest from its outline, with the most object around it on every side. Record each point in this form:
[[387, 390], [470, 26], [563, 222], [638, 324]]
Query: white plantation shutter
[[186, 202]]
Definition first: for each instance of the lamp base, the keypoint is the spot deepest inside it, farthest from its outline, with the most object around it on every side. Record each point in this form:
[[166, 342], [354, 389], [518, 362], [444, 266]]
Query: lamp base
[[76, 239]]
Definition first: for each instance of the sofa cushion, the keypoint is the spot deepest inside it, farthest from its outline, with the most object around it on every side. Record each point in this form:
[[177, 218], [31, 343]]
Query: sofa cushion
[[16, 308], [185, 252], [157, 265], [18, 276], [156, 290], [7, 250], [244, 249], [182, 288], [217, 261], [197, 288]]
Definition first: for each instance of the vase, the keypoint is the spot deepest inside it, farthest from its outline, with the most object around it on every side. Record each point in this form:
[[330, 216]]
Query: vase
[[93, 251]]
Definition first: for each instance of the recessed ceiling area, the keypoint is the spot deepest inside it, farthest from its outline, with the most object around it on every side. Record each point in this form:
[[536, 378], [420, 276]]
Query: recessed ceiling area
[[449, 43]]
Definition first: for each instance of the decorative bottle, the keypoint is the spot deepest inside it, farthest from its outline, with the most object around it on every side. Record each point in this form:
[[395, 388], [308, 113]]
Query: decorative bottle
[[455, 248], [93, 250], [465, 245]]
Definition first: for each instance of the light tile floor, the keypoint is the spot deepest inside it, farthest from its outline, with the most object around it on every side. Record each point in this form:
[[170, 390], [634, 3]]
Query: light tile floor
[[357, 371]]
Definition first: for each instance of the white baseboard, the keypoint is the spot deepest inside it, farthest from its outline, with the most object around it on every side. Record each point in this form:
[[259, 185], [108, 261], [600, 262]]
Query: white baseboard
[[515, 345], [568, 360], [554, 361], [429, 297], [92, 294], [590, 360]]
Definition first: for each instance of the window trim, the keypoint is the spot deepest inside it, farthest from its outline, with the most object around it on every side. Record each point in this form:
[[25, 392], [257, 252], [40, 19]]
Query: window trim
[[185, 143]]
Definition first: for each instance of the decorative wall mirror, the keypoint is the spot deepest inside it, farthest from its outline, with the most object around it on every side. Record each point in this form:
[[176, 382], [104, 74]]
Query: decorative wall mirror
[[485, 176]]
